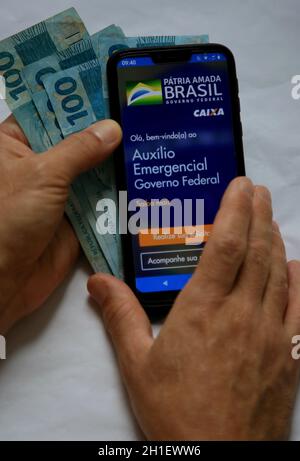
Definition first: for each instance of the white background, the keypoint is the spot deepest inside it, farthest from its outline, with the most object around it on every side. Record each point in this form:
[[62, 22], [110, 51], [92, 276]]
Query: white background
[[60, 380]]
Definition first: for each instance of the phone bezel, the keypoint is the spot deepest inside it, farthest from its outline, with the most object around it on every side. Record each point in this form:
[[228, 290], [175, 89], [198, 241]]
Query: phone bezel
[[157, 304]]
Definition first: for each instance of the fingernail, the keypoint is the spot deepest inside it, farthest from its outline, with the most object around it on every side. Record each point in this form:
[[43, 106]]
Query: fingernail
[[243, 183], [263, 193], [108, 131], [97, 289]]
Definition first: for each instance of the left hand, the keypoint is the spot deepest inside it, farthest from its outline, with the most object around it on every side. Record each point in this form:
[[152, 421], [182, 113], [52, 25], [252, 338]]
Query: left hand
[[37, 244], [221, 366]]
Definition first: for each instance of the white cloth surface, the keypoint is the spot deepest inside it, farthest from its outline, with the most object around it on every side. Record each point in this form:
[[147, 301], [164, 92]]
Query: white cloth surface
[[60, 379]]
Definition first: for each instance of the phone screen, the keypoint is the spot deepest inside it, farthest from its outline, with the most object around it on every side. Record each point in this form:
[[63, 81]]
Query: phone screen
[[178, 141]]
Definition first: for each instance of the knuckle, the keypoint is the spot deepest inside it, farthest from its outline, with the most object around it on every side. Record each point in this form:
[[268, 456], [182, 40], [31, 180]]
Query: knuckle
[[230, 247], [280, 287], [259, 252], [281, 283]]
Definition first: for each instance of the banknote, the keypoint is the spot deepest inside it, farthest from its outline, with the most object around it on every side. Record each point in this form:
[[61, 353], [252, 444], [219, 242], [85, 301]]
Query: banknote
[[93, 83], [74, 55], [54, 34], [105, 45], [76, 97], [99, 186], [87, 239], [146, 41], [34, 75], [113, 33], [78, 203]]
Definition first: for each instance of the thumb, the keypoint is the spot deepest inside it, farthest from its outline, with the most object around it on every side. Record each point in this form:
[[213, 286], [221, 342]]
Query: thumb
[[84, 150], [123, 317]]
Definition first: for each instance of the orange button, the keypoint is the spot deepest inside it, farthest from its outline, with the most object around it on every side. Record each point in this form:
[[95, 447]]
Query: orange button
[[190, 235]]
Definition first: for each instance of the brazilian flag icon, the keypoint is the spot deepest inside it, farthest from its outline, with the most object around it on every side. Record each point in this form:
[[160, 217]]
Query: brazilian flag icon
[[144, 93]]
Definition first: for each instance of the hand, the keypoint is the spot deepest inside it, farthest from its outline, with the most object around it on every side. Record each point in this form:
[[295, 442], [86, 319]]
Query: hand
[[221, 366], [38, 246]]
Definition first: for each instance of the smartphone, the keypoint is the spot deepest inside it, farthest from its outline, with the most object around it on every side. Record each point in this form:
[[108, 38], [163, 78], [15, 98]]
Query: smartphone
[[182, 140]]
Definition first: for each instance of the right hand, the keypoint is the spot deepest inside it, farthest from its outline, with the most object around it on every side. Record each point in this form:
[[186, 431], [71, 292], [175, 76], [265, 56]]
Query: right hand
[[221, 366]]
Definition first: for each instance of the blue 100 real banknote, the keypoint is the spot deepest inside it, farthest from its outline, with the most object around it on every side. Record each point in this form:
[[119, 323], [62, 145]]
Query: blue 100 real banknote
[[31, 45]]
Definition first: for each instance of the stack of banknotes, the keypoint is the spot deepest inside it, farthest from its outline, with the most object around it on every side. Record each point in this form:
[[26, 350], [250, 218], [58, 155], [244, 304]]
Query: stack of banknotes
[[55, 78]]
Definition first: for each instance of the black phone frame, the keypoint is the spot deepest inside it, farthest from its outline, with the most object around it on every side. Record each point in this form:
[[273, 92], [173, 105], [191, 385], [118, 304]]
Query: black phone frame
[[158, 304]]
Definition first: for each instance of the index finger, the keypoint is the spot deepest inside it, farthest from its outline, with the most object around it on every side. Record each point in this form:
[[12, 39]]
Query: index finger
[[226, 248]]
